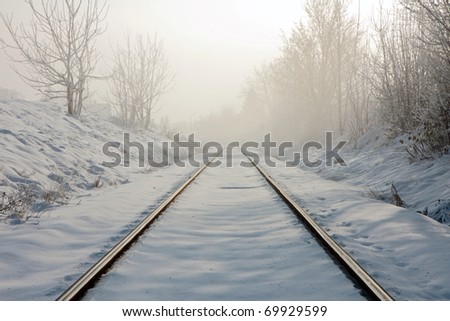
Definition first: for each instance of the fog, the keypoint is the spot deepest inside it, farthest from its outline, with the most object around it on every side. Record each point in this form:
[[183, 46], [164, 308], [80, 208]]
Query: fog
[[245, 68], [213, 46]]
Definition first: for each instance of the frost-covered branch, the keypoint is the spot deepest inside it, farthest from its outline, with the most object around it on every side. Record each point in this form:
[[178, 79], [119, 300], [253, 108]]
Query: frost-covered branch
[[57, 47]]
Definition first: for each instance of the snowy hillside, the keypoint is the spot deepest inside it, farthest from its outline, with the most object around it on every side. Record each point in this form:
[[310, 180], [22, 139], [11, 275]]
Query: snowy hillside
[[79, 207], [378, 163], [49, 155]]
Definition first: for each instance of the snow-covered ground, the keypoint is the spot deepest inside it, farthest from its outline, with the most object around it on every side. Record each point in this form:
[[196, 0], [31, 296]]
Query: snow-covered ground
[[228, 237], [378, 163], [406, 251], [40, 146], [39, 259], [43, 148], [48, 156]]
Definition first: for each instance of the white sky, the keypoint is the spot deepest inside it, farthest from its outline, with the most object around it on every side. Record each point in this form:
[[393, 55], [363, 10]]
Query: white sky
[[213, 45]]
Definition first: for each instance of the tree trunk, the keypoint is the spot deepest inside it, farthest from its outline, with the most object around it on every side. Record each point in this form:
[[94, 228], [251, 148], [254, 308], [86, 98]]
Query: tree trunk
[[69, 101]]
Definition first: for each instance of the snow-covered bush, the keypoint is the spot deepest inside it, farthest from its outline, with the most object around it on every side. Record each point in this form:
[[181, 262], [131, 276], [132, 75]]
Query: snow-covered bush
[[439, 210], [432, 138], [15, 204], [57, 194]]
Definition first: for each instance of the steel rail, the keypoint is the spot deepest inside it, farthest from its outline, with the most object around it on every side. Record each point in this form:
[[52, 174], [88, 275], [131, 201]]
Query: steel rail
[[363, 279], [88, 280]]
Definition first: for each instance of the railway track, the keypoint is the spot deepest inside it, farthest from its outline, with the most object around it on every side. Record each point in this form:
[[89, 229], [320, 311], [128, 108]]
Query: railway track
[[222, 245]]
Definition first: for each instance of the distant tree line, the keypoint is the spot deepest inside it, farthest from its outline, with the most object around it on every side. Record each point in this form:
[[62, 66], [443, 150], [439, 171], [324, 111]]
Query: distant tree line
[[336, 72]]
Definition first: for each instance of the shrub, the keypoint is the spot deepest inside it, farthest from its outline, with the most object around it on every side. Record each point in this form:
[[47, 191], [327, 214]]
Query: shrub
[[57, 194], [439, 210], [15, 205]]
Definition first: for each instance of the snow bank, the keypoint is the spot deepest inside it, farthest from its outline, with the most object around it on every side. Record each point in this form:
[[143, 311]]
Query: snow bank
[[377, 163], [41, 146], [405, 251]]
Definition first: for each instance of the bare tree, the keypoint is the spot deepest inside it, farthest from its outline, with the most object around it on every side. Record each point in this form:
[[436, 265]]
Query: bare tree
[[410, 74], [57, 48], [140, 77], [346, 43], [318, 60], [433, 34], [399, 82]]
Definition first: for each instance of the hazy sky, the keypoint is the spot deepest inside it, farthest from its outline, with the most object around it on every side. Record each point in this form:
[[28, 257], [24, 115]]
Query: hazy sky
[[213, 45]]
